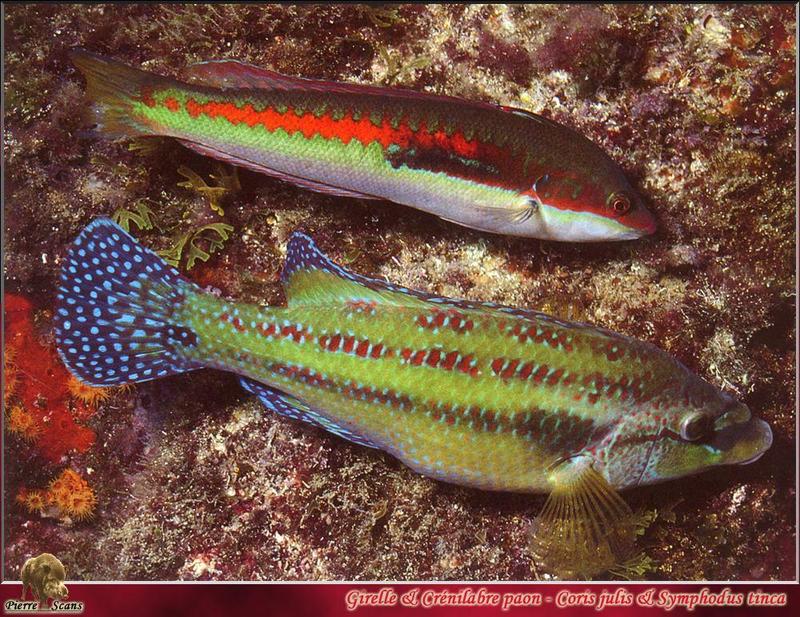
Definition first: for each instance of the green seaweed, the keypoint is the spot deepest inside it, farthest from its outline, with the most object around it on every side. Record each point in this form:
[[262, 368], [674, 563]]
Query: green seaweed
[[635, 568], [382, 17], [226, 183], [400, 69], [145, 145], [141, 217], [351, 255], [215, 234], [643, 519], [225, 179], [639, 564]]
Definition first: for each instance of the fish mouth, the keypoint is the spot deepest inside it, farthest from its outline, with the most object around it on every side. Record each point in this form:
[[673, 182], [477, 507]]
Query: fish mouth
[[633, 234], [638, 231], [640, 223], [744, 443], [765, 433], [648, 229]]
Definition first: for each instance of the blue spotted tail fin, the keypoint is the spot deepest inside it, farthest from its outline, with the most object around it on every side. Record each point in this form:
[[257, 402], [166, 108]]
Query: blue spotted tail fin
[[117, 316]]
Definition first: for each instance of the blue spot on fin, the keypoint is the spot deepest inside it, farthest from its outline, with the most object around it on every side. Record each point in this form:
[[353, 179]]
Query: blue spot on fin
[[116, 312], [290, 407]]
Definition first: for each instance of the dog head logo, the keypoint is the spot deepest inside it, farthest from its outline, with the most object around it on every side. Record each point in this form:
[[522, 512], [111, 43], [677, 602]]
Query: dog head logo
[[45, 576]]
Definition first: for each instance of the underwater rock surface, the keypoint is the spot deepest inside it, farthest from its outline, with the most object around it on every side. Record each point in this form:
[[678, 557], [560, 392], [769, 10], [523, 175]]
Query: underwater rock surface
[[188, 477]]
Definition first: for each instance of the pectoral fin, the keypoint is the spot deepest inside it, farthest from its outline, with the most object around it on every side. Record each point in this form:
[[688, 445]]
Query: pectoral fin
[[585, 527], [508, 215]]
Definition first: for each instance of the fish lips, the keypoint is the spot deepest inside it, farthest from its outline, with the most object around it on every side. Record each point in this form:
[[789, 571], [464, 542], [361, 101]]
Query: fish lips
[[634, 233], [646, 224], [639, 221], [743, 443]]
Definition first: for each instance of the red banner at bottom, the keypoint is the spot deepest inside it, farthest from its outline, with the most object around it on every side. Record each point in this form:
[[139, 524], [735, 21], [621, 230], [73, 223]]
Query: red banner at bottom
[[329, 600]]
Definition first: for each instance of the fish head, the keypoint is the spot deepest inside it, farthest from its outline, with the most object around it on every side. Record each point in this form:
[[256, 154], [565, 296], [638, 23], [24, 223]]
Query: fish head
[[699, 429], [591, 207]]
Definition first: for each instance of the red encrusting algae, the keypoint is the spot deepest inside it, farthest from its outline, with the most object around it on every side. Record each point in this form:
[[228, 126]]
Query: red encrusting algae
[[38, 393]]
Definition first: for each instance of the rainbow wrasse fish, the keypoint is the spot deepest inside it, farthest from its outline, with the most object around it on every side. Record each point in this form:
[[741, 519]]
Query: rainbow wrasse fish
[[475, 394], [492, 168]]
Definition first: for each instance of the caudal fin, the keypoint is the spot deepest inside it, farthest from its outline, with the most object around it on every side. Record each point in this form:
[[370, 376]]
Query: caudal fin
[[119, 310], [114, 87]]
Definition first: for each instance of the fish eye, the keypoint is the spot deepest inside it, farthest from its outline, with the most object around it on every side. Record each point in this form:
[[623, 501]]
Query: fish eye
[[619, 203], [696, 427]]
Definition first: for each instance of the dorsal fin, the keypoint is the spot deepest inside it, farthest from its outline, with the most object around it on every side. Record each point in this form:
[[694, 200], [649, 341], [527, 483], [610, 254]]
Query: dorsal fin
[[227, 74], [236, 74], [311, 278]]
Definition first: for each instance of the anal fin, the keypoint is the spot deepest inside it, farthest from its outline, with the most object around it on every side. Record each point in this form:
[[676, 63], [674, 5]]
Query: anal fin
[[290, 407], [585, 527]]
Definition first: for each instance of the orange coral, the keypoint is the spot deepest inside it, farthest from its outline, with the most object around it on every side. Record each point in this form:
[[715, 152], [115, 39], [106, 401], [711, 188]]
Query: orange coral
[[72, 495], [10, 383], [84, 393], [34, 500], [23, 423], [10, 372]]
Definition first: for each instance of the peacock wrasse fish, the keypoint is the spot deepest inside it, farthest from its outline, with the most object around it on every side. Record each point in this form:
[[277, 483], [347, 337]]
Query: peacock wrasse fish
[[488, 167], [476, 394]]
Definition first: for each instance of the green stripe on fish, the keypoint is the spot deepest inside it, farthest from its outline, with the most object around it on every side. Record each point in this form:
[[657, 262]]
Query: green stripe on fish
[[472, 393]]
